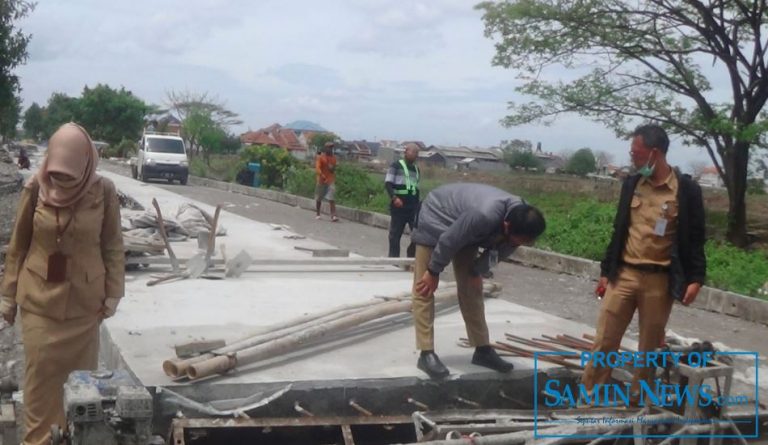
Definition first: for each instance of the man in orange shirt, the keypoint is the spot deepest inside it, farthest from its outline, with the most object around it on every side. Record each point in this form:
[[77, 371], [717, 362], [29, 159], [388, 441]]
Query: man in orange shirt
[[325, 165]]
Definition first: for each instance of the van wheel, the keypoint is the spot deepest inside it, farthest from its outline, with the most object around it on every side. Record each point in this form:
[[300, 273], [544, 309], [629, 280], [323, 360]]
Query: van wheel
[[183, 180]]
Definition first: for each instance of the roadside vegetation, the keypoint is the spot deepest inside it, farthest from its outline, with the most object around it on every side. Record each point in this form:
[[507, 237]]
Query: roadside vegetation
[[579, 221]]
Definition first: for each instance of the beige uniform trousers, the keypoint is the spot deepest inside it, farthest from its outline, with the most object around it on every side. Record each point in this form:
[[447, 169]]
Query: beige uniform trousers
[[53, 349], [634, 289], [470, 300]]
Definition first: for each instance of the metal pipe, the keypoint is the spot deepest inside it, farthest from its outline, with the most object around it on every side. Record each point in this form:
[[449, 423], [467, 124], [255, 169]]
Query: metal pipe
[[421, 406], [299, 409], [467, 402], [360, 409]]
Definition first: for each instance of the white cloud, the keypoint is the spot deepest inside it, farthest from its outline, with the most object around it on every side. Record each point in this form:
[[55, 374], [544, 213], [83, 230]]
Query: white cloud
[[366, 69]]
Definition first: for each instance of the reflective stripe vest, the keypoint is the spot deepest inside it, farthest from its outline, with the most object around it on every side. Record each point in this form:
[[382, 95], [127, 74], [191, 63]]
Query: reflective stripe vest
[[411, 187]]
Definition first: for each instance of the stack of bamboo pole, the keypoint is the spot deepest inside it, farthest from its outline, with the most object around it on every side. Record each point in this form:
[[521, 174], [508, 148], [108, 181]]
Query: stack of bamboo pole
[[298, 333], [561, 343]]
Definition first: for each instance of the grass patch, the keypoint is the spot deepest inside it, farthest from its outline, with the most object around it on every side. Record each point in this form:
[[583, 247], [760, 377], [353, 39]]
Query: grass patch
[[578, 224]]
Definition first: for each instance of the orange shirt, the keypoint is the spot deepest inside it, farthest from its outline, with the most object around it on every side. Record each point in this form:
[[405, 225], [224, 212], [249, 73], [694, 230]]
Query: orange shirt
[[324, 167]]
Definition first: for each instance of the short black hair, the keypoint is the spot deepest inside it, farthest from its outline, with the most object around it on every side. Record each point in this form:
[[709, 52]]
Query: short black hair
[[653, 136], [525, 220]]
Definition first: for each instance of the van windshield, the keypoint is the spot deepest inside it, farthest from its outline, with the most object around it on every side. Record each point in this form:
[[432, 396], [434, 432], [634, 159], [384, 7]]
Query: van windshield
[[161, 145]]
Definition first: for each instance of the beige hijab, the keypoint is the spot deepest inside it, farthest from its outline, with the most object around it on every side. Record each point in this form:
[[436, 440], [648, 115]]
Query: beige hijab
[[70, 151]]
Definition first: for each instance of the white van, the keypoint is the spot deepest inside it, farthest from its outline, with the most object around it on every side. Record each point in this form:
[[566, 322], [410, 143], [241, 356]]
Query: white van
[[161, 156]]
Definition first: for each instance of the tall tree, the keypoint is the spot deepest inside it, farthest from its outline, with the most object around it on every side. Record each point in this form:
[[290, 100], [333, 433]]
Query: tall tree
[[200, 114], [13, 52], [34, 121], [654, 60], [111, 115], [60, 110]]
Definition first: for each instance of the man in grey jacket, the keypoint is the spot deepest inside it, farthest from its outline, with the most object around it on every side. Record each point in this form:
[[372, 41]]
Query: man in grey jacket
[[455, 223]]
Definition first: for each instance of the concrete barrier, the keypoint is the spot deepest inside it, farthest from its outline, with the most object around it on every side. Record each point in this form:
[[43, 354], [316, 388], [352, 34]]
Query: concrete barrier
[[710, 299]]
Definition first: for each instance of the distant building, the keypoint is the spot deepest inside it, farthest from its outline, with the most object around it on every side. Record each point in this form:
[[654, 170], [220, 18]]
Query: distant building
[[163, 123], [276, 136], [709, 177], [465, 158]]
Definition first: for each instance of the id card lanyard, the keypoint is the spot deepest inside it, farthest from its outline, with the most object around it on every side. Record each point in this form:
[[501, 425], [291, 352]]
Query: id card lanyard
[[661, 223], [57, 261]]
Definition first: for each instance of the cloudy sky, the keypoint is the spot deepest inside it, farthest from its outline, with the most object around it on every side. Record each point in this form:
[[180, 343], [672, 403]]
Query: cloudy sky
[[365, 69]]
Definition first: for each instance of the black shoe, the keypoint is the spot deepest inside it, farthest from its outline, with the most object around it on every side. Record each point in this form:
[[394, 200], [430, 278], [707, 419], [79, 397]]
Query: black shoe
[[430, 363], [487, 357]]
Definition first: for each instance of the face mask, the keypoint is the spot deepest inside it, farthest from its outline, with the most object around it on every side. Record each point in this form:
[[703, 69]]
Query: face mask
[[647, 170], [65, 184]]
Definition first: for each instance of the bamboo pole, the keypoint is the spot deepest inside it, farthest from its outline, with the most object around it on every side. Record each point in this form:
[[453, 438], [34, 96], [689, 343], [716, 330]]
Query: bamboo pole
[[177, 368], [291, 342]]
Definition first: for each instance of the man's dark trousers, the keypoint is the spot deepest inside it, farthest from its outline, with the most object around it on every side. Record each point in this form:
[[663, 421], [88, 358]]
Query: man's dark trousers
[[398, 219]]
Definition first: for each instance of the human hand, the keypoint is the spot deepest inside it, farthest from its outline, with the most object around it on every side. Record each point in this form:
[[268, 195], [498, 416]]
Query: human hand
[[397, 202], [690, 293], [427, 285], [109, 307], [602, 285], [8, 310]]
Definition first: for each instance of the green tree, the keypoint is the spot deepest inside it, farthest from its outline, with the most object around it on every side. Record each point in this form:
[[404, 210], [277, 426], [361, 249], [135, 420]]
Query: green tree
[[212, 140], [582, 162], [60, 110], [111, 115], [34, 121], [524, 159], [200, 113], [13, 52], [319, 140], [653, 60]]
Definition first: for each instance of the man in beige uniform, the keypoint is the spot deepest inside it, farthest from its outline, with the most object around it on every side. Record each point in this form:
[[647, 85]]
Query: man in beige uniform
[[656, 254], [65, 270]]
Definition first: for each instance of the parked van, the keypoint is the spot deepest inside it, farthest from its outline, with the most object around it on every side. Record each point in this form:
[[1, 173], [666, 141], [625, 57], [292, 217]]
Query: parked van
[[161, 156]]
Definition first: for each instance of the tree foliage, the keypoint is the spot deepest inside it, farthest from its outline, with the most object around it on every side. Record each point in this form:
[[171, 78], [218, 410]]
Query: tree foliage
[[319, 140], [205, 121], [34, 121], [13, 52], [582, 162], [275, 163], [655, 60], [524, 159], [60, 110], [111, 115]]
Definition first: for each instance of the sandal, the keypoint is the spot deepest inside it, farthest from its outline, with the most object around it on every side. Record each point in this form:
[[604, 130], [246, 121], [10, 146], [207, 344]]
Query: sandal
[[334, 219]]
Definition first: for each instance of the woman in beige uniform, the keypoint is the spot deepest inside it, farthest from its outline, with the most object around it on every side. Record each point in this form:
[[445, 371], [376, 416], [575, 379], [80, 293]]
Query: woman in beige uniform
[[65, 270]]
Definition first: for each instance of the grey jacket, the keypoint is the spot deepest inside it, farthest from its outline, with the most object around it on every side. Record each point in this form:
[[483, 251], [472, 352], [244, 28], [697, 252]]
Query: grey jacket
[[454, 216]]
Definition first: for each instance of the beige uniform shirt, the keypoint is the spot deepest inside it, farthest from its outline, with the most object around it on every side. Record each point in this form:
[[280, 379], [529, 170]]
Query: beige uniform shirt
[[653, 208], [92, 243]]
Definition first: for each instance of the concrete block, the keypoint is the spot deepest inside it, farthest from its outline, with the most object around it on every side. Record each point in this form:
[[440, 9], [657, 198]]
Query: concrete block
[[305, 203], [347, 213]]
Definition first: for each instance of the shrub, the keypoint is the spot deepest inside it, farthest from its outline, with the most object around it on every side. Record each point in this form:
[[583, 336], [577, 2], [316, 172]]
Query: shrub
[[301, 181], [275, 163], [355, 187], [198, 168]]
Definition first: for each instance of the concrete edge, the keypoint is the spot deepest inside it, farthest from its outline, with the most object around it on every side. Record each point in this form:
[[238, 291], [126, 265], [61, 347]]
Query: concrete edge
[[709, 299]]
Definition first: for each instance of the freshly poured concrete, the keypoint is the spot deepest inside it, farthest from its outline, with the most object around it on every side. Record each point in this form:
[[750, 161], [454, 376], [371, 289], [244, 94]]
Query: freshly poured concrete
[[151, 320]]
